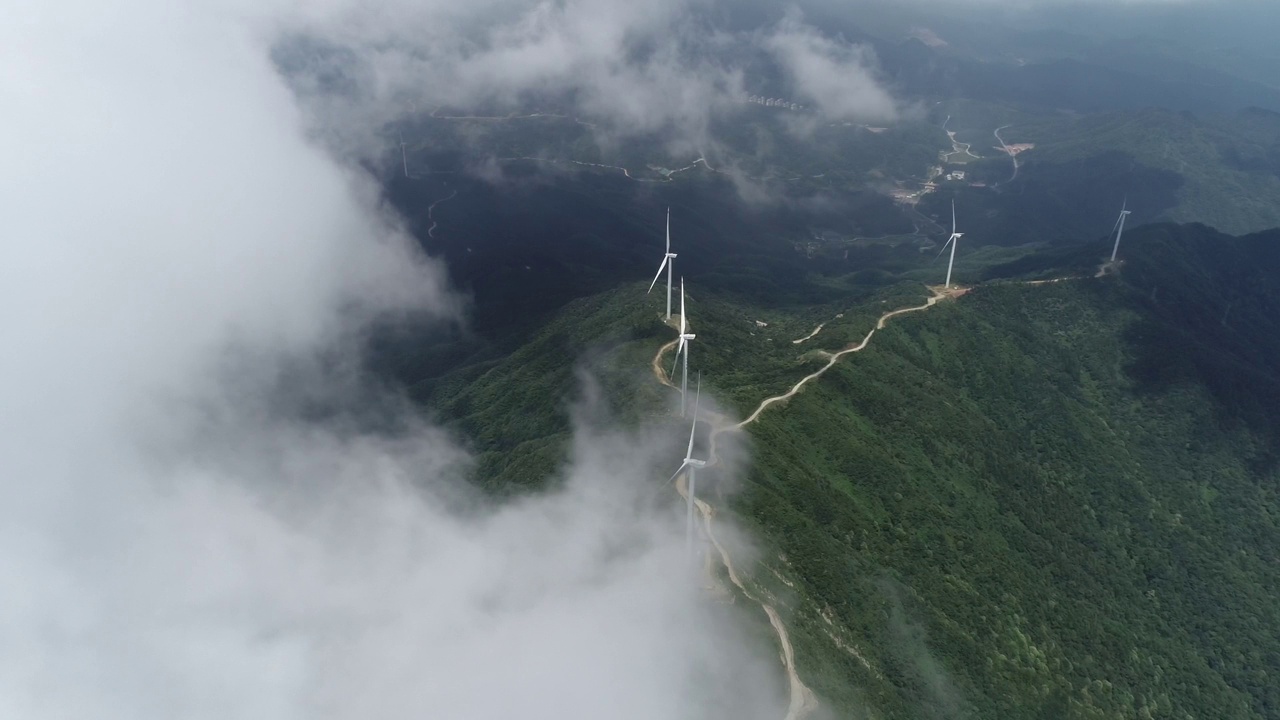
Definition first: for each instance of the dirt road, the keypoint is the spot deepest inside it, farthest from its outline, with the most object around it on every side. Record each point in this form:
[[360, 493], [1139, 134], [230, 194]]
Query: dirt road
[[1012, 156], [802, 700], [764, 404], [809, 336], [431, 210]]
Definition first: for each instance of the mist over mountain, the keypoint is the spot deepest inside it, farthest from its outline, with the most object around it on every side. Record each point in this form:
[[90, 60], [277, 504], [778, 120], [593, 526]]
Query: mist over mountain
[[335, 384]]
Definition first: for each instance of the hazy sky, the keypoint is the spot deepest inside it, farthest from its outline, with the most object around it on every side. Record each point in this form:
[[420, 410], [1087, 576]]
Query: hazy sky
[[180, 268]]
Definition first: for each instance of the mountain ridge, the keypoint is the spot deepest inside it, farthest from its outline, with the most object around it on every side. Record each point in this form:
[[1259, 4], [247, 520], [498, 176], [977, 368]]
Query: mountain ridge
[[1104, 347]]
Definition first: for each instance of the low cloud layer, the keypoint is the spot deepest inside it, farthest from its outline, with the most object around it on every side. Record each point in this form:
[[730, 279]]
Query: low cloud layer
[[668, 69], [183, 277], [834, 76]]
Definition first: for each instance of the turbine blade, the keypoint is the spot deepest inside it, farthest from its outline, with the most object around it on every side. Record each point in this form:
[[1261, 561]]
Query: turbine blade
[[659, 274], [944, 246], [953, 219], [697, 399], [676, 362], [668, 230], [676, 474]]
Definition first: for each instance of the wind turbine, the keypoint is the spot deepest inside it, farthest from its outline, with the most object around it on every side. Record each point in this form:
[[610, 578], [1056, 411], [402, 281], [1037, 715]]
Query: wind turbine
[[404, 158], [1119, 228], [683, 349], [666, 263], [692, 466], [952, 242]]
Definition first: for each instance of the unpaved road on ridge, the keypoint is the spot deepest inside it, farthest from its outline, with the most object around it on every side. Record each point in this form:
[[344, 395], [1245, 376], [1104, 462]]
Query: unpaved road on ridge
[[810, 336], [958, 147], [658, 372], [1011, 155], [431, 213], [764, 404], [802, 699]]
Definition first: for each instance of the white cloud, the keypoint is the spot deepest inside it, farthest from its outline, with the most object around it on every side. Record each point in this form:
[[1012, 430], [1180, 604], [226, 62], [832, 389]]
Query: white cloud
[[634, 68], [181, 269], [666, 69], [836, 77]]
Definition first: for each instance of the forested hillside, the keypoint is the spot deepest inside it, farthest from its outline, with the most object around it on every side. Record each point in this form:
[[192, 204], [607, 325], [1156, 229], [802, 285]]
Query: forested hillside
[[1046, 501], [1032, 501]]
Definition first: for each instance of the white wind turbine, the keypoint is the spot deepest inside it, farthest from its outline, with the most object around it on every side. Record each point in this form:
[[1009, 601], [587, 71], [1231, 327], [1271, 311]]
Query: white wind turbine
[[404, 158], [952, 242], [1119, 227], [682, 349], [666, 263], [691, 464]]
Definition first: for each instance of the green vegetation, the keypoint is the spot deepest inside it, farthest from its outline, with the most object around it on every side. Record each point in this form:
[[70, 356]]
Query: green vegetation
[[1071, 512], [1031, 502], [1230, 165]]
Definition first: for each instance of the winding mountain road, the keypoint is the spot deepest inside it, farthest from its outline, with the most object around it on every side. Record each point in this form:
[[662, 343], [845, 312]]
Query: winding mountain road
[[802, 700], [958, 147], [1012, 156], [431, 213], [810, 336], [835, 357]]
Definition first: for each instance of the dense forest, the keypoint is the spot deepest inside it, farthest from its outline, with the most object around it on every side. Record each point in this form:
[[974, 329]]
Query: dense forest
[[1031, 501]]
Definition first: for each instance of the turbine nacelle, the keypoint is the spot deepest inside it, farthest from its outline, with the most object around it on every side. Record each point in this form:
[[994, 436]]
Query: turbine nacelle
[[681, 347], [687, 464], [947, 244]]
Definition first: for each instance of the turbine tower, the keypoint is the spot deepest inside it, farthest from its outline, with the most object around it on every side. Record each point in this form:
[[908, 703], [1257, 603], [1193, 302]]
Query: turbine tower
[[692, 466], [667, 262], [682, 349], [952, 242], [404, 158], [1119, 228]]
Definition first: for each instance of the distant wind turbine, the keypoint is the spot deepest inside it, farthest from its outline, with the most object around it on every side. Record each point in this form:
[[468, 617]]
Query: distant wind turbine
[[692, 466], [404, 158], [682, 349], [952, 242], [667, 262], [1119, 228]]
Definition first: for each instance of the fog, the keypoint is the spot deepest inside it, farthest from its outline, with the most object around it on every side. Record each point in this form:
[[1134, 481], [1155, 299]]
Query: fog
[[820, 70], [199, 518], [666, 70]]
